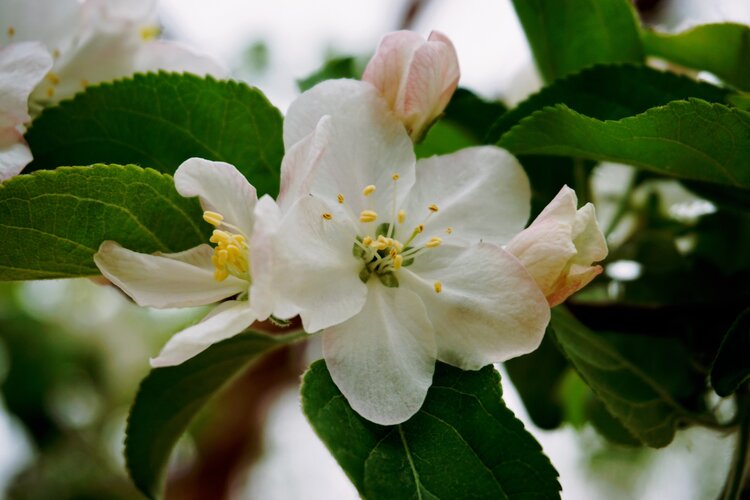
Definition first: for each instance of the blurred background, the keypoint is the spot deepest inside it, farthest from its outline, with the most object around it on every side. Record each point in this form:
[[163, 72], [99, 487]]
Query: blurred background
[[73, 352]]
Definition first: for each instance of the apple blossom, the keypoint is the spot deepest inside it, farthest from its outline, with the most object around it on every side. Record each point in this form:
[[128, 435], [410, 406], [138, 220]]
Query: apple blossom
[[204, 275], [559, 247], [22, 67], [400, 262], [416, 77]]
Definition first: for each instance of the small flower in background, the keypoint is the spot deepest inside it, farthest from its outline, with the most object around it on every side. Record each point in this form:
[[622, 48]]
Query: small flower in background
[[88, 42], [559, 247], [400, 262], [22, 67], [416, 77], [239, 264]]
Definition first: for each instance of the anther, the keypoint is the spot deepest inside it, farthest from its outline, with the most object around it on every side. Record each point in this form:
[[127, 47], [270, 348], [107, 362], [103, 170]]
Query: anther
[[449, 230], [213, 218], [11, 31], [53, 78], [434, 242], [340, 197], [219, 236], [221, 274], [395, 177], [438, 287], [433, 208], [401, 216], [327, 216], [368, 216], [149, 32], [398, 261], [367, 241], [50, 91], [56, 53], [368, 190], [419, 229]]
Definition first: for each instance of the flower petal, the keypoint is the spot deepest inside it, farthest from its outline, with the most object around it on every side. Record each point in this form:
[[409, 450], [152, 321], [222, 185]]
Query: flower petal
[[221, 188], [173, 280], [482, 194], [317, 275], [387, 69], [489, 308], [226, 320], [22, 67], [14, 154], [263, 293], [383, 358], [327, 98]]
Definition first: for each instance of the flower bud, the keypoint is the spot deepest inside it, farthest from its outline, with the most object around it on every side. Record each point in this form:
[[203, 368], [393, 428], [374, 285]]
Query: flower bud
[[416, 77], [559, 247]]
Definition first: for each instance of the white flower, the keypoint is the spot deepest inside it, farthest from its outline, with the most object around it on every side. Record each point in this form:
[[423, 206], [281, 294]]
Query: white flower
[[22, 67], [400, 262], [559, 247], [238, 266], [416, 77]]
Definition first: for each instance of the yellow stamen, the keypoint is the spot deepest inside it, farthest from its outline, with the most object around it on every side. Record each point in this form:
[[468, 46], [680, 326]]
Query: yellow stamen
[[221, 274], [149, 32], [419, 229], [221, 257], [84, 83], [11, 31], [50, 91], [434, 242], [368, 216], [438, 287], [368, 190], [398, 260], [401, 216], [53, 78], [327, 216], [340, 197], [395, 177], [240, 240], [56, 53], [367, 241], [449, 230], [219, 236], [433, 208], [213, 218]]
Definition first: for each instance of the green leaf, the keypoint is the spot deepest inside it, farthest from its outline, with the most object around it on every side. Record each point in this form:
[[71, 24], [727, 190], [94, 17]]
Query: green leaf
[[472, 113], [53, 222], [687, 139], [443, 138], [537, 377], [568, 36], [338, 67], [159, 121], [731, 367], [463, 442], [169, 398], [610, 92], [642, 380], [723, 49]]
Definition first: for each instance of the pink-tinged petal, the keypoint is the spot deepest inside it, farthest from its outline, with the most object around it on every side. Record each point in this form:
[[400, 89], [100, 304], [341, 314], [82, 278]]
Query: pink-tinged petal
[[263, 293], [383, 358], [14, 154], [327, 98], [22, 67], [316, 274], [488, 308], [221, 188], [225, 321], [167, 280], [559, 247], [482, 194], [389, 66]]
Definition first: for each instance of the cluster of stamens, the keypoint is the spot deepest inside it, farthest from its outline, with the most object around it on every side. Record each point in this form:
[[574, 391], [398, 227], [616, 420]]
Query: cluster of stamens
[[230, 254], [383, 254]]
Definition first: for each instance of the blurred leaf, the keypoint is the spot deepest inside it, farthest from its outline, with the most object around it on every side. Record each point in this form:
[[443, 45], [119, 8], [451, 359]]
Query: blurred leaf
[[723, 239], [575, 395], [472, 113], [732, 365], [444, 137], [159, 121], [566, 37], [338, 67], [169, 398], [610, 92], [642, 380], [256, 58], [54, 221], [463, 443], [607, 425], [723, 49], [687, 139], [537, 377]]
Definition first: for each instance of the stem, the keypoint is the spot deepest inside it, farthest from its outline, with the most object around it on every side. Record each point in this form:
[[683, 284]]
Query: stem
[[581, 178], [738, 472]]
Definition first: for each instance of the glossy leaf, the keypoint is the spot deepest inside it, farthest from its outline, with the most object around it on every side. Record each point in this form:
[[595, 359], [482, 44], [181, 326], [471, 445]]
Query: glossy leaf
[[723, 49], [169, 398], [566, 37], [686, 139], [732, 365], [610, 92], [159, 121], [53, 222], [641, 380], [463, 443]]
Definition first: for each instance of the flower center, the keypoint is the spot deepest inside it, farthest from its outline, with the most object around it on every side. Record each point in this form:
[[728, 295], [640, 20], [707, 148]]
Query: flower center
[[231, 250]]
